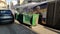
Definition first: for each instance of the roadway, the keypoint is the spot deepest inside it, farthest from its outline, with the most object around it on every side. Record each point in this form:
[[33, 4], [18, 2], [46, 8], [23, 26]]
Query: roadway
[[15, 29]]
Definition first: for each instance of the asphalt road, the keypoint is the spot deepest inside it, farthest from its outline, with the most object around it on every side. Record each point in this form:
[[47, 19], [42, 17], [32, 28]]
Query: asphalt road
[[15, 29]]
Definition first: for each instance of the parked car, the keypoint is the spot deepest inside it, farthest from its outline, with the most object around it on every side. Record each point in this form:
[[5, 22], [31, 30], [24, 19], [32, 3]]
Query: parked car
[[6, 17]]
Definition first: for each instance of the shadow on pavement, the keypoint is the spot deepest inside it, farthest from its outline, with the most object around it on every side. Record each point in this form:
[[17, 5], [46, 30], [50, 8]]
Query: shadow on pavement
[[54, 30]]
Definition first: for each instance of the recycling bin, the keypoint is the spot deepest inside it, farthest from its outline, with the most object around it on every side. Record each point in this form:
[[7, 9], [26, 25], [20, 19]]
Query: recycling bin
[[35, 19], [16, 15], [30, 19], [27, 19], [20, 18]]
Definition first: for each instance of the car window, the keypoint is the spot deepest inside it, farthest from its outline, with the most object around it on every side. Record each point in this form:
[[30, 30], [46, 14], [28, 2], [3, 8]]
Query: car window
[[5, 12]]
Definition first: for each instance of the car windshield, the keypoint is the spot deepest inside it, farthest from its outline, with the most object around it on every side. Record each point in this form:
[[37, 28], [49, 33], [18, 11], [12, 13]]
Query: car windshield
[[5, 12]]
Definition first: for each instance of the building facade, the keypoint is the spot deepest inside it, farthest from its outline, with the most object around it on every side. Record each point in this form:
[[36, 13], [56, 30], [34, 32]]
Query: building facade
[[3, 4]]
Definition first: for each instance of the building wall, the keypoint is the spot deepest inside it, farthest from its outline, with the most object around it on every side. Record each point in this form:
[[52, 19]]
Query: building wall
[[3, 0], [21, 1], [3, 4]]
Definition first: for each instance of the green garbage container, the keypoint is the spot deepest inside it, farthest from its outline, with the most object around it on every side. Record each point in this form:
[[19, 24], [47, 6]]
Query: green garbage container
[[35, 19], [27, 18], [20, 18], [16, 15]]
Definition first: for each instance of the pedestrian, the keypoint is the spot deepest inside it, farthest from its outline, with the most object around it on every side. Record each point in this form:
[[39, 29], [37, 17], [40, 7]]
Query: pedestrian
[[44, 13]]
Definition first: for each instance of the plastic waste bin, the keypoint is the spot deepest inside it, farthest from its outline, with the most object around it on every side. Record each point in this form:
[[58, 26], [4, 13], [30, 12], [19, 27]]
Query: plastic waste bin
[[16, 15], [27, 18], [35, 19]]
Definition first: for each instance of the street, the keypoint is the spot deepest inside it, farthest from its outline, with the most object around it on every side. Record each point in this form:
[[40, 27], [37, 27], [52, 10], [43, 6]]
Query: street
[[30, 12], [15, 29]]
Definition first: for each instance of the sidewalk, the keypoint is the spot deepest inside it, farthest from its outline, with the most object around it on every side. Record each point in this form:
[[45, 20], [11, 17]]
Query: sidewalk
[[40, 29], [45, 30]]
